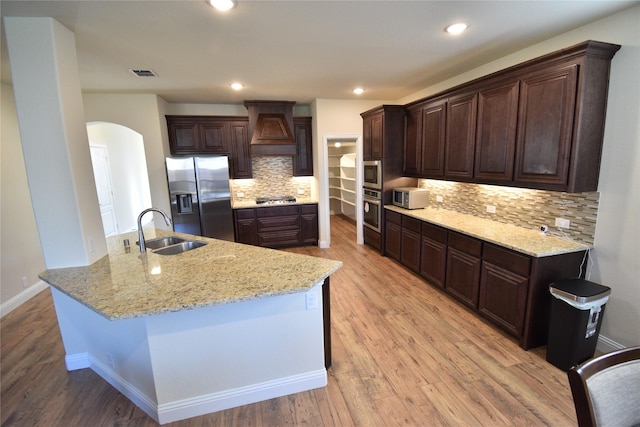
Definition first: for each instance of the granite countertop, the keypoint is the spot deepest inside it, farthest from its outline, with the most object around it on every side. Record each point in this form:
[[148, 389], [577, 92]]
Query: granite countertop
[[241, 204], [125, 285], [529, 242]]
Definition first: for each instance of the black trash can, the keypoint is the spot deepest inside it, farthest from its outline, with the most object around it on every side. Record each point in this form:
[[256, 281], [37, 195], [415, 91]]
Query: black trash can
[[577, 308]]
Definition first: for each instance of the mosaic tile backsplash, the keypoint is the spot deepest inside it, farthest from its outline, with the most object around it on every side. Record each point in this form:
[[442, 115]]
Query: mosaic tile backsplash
[[522, 207], [272, 177]]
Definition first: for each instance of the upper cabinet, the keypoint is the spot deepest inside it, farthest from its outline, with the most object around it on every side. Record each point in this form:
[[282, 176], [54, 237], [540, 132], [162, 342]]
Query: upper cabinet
[[303, 160], [373, 135], [229, 135], [538, 125], [191, 135]]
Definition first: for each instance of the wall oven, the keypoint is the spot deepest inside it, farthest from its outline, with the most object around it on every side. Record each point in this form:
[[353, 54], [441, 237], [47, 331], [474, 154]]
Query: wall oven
[[372, 171], [372, 208]]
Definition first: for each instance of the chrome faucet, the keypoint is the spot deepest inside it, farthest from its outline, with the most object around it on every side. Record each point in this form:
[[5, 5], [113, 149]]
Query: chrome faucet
[[167, 221]]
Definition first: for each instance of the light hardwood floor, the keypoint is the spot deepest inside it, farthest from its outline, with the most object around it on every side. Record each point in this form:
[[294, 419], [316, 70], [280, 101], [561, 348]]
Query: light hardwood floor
[[404, 353]]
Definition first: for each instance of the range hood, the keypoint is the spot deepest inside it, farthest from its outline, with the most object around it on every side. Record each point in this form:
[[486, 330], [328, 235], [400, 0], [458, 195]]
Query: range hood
[[270, 127]]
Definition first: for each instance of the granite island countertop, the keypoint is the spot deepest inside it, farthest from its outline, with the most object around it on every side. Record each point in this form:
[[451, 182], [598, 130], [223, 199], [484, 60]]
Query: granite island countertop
[[124, 285], [520, 239]]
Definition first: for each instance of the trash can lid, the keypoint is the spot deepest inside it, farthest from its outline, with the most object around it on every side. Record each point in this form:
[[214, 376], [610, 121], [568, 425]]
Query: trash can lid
[[579, 290]]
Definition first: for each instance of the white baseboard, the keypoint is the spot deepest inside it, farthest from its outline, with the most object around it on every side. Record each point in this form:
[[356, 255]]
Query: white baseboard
[[323, 244], [199, 405], [24, 296], [607, 345]]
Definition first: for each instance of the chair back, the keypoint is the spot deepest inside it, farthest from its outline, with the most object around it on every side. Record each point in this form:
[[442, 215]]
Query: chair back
[[606, 389]]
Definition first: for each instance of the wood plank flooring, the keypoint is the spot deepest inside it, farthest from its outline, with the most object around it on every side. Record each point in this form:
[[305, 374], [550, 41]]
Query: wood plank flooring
[[404, 353]]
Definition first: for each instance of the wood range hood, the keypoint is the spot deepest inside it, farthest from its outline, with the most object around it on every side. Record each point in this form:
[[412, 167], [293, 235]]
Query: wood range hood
[[270, 127]]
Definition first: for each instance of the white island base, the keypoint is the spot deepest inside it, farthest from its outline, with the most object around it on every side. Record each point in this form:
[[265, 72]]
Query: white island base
[[193, 362]]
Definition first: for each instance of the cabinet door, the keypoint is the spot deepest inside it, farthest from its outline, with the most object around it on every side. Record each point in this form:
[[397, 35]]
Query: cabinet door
[[503, 297], [410, 251], [183, 136], [240, 155], [303, 160], [461, 136], [377, 135], [413, 143], [545, 123], [463, 276], [246, 226], [309, 224], [393, 240], [433, 261], [496, 132], [433, 139], [214, 136]]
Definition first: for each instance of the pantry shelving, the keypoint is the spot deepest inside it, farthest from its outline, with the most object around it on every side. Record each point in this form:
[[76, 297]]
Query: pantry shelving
[[342, 180]]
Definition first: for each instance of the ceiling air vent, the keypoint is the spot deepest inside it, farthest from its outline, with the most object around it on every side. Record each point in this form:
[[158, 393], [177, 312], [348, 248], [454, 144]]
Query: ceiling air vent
[[143, 73]]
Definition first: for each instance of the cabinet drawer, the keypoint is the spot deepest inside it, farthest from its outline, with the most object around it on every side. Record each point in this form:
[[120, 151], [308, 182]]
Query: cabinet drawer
[[308, 209], [277, 211], [465, 244], [411, 223], [279, 223], [505, 258], [279, 238], [394, 217], [434, 232], [245, 213]]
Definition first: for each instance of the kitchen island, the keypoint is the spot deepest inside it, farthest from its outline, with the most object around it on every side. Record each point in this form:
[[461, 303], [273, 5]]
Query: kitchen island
[[182, 335]]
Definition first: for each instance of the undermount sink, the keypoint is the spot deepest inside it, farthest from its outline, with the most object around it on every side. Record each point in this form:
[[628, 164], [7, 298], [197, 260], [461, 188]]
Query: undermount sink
[[161, 242], [178, 248]]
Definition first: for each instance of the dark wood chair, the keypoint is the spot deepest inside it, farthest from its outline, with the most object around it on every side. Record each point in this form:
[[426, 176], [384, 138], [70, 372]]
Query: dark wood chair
[[606, 389]]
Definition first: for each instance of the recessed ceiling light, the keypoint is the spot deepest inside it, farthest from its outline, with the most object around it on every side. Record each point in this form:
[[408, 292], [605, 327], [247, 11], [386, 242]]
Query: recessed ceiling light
[[236, 86], [457, 28], [358, 91], [337, 145], [222, 5]]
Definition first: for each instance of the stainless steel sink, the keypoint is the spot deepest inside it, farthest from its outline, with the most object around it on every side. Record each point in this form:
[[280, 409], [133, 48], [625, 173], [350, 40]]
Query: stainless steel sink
[[161, 242], [178, 248]]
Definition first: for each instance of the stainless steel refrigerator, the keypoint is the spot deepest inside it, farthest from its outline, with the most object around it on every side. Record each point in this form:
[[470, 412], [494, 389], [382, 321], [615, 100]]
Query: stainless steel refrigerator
[[200, 196]]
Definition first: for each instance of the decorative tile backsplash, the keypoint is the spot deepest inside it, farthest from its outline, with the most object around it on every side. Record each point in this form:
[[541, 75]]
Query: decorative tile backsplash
[[522, 207], [272, 177]]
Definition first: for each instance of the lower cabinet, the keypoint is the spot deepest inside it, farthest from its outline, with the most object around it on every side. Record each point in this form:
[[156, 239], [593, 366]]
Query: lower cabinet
[[463, 268], [277, 226], [508, 288]]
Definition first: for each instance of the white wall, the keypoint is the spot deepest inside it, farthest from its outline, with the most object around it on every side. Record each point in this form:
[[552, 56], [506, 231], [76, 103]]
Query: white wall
[[20, 252]]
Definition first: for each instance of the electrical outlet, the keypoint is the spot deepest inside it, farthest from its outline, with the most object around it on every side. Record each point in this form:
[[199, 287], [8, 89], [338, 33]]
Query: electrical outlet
[[562, 223], [300, 191], [439, 199], [240, 194], [312, 300], [25, 282], [491, 209], [544, 228]]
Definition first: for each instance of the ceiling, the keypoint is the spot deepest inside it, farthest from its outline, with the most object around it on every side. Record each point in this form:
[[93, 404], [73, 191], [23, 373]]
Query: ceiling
[[296, 50]]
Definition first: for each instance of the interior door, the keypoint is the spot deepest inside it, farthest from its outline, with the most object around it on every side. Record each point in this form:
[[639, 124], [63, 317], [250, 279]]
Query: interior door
[[102, 176]]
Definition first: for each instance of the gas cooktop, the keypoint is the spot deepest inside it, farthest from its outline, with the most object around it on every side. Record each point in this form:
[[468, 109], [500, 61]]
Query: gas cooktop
[[275, 200]]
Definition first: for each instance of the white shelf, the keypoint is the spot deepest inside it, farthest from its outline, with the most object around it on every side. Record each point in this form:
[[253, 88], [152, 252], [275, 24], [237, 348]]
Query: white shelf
[[342, 181]]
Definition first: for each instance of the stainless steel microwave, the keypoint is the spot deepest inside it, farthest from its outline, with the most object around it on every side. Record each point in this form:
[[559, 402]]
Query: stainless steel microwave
[[372, 170], [411, 197]]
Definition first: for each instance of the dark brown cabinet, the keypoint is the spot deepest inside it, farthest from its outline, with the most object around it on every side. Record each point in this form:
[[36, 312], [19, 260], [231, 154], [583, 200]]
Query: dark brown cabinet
[[508, 288], [433, 256], [393, 235], [461, 136], [410, 243], [277, 226], [213, 135], [303, 160], [463, 268], [373, 134], [545, 125], [496, 132], [504, 284], [424, 149], [539, 124]]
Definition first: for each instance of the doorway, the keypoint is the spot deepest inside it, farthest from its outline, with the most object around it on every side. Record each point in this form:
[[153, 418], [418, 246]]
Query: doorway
[[122, 162], [341, 180]]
